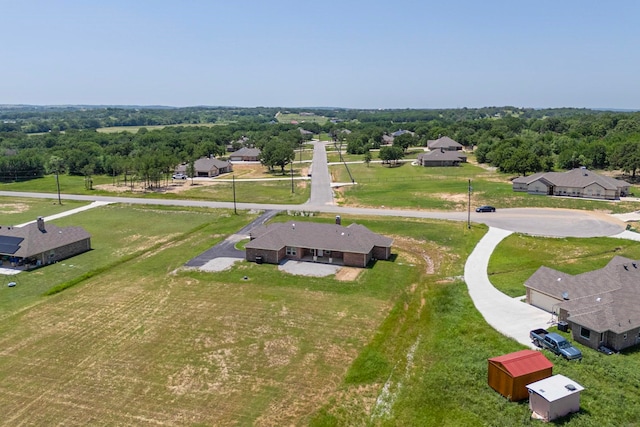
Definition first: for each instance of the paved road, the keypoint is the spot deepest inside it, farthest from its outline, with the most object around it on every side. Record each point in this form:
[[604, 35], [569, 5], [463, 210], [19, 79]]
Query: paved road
[[321, 192]]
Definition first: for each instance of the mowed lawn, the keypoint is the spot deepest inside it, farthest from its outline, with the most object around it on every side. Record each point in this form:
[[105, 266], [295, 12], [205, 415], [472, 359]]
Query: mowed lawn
[[519, 256], [146, 343], [447, 188]]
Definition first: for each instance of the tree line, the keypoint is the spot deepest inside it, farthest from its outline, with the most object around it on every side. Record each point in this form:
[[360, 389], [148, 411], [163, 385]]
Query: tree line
[[514, 140]]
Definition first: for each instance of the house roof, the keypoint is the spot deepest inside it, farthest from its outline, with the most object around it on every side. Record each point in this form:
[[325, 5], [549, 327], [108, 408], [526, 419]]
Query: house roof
[[29, 241], [555, 387], [522, 362], [331, 237], [441, 155], [205, 164], [607, 299], [246, 152], [575, 178], [401, 132], [443, 142]]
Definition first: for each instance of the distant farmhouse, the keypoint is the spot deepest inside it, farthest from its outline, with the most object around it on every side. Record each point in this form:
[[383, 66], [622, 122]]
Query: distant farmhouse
[[575, 183], [245, 154], [441, 157], [38, 244], [354, 245], [207, 167], [444, 143], [601, 307]]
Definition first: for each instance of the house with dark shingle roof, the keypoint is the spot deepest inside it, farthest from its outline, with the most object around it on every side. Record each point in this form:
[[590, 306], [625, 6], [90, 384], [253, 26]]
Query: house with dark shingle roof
[[37, 243], [445, 143], [245, 154], [354, 245], [601, 307], [441, 157], [207, 167], [579, 182]]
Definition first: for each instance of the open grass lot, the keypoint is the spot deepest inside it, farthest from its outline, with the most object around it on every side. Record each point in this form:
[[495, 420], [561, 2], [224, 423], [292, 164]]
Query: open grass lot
[[142, 342], [333, 156], [135, 129], [446, 188], [210, 190], [16, 210], [518, 256], [291, 117]]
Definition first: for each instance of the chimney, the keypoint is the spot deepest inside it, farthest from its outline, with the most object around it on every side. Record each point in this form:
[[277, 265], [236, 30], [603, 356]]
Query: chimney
[[338, 220], [41, 224], [442, 149]]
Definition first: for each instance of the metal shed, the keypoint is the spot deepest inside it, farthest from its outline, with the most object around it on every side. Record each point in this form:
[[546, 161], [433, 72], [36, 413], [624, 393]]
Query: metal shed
[[509, 374], [554, 397]]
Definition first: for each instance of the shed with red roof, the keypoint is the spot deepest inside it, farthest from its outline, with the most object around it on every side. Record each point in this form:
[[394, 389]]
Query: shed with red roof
[[510, 374]]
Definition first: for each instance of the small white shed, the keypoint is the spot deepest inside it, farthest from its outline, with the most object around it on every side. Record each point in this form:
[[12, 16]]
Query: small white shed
[[554, 397]]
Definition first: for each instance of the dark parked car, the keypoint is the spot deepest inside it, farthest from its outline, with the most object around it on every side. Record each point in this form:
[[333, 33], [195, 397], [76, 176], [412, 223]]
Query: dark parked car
[[485, 208], [605, 350]]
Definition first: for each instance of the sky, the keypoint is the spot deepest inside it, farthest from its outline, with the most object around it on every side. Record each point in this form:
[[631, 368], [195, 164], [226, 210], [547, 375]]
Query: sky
[[349, 53]]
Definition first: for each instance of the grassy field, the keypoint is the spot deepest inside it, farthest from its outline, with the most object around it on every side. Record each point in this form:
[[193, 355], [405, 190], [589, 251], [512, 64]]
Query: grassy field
[[144, 342], [249, 191], [15, 210], [446, 188], [135, 129], [518, 256], [290, 117]]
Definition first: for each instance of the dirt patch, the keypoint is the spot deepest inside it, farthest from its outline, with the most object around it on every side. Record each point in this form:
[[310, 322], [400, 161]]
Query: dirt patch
[[12, 208], [348, 274]]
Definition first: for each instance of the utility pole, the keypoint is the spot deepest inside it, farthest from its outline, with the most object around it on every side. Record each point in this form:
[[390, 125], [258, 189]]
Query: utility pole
[[58, 185], [469, 208], [233, 180], [291, 165]]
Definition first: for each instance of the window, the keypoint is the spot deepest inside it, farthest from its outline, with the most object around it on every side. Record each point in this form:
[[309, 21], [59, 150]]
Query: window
[[585, 333], [291, 251]]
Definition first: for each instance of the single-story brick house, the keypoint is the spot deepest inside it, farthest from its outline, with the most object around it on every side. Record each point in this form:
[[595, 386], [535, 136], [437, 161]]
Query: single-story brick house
[[579, 182], [207, 167], [441, 157], [601, 307], [37, 244], [354, 245], [445, 143], [245, 154]]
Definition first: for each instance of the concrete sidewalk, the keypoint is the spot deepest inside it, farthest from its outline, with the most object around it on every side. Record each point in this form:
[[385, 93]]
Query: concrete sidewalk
[[69, 212], [507, 315]]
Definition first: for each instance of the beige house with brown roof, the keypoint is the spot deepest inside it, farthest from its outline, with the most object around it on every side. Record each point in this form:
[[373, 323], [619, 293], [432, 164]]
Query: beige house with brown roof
[[354, 245], [207, 167], [578, 182], [445, 143], [602, 307], [39, 244], [245, 154]]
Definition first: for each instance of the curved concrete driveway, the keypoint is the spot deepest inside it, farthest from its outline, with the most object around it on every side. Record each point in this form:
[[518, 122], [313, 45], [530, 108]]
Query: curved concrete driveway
[[509, 316]]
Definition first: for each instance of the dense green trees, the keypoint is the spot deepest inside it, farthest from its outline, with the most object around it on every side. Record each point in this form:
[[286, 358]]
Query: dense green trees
[[517, 141]]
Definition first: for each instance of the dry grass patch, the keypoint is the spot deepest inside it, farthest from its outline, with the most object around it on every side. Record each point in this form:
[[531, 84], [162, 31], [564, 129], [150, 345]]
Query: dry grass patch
[[13, 208], [348, 274]]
